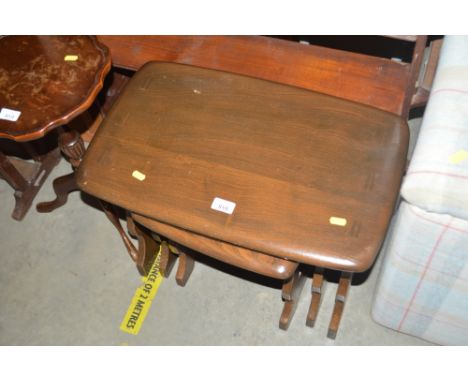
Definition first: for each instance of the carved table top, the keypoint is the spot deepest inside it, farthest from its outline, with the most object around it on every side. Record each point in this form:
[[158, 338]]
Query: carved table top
[[45, 81]]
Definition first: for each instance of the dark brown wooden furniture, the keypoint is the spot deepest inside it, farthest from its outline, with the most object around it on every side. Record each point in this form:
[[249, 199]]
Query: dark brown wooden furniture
[[314, 178], [390, 85], [48, 80], [181, 242]]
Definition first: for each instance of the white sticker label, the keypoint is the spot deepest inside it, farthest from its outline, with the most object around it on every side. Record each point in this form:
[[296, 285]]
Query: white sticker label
[[9, 115], [223, 205]]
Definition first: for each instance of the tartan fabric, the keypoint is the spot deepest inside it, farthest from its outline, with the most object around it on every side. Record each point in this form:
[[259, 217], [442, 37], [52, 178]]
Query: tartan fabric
[[423, 286], [437, 178]]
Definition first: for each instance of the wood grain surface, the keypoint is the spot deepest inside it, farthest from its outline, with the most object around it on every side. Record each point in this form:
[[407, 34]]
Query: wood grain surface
[[373, 81], [292, 160], [36, 80]]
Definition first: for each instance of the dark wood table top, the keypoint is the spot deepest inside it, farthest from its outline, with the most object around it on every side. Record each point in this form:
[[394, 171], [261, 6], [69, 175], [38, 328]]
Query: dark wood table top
[[314, 178], [49, 80]]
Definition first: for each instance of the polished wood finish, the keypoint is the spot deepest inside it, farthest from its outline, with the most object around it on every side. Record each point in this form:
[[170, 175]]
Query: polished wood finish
[[431, 64], [89, 122], [118, 83], [237, 141], [373, 81], [291, 293], [49, 91], [317, 286], [341, 293], [418, 55], [71, 144], [421, 96], [139, 257], [253, 261], [169, 255], [148, 247], [290, 159], [26, 178], [10, 173], [185, 268], [168, 259]]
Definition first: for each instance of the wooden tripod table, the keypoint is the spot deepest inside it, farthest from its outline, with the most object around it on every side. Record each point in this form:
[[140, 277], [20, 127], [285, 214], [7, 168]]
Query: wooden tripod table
[[45, 81], [281, 171]]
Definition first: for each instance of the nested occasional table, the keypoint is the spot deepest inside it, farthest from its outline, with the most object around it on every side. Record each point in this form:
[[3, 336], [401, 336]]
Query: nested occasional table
[[281, 171], [45, 81]]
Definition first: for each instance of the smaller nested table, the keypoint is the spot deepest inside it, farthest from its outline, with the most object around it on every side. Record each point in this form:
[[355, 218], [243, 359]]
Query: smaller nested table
[[45, 81]]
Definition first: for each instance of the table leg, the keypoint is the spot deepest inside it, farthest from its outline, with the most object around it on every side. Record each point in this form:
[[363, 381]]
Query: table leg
[[185, 268], [147, 249], [169, 254], [137, 256], [168, 259], [27, 182], [11, 174], [72, 146], [340, 299], [317, 284], [291, 292]]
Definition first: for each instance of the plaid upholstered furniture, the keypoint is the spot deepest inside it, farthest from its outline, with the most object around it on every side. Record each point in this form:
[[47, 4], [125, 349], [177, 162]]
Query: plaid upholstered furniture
[[423, 286]]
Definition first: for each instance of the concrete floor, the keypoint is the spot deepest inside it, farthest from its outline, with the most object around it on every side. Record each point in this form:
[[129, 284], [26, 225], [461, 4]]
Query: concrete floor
[[66, 279]]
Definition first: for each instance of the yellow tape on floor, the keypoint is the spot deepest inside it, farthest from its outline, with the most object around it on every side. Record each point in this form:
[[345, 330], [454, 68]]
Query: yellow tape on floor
[[141, 302]]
